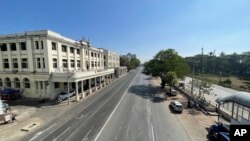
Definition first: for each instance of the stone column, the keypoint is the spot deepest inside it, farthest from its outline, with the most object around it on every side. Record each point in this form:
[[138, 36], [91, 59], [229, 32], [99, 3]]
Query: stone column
[[90, 90], [100, 81], [95, 85], [82, 89], [44, 92], [77, 94], [38, 89]]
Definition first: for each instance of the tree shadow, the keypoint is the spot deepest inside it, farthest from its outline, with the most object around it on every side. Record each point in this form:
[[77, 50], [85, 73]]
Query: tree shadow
[[148, 92], [31, 102]]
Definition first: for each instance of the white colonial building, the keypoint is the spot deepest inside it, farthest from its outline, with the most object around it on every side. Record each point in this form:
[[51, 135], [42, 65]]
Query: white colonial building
[[41, 63]]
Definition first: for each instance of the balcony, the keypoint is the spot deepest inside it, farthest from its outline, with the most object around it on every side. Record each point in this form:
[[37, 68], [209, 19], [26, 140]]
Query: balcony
[[73, 76]]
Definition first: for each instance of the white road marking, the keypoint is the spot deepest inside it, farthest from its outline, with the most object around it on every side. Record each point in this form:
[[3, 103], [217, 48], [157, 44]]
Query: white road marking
[[114, 110], [127, 132], [41, 132], [36, 135], [86, 136], [71, 135], [152, 132], [61, 134], [79, 128]]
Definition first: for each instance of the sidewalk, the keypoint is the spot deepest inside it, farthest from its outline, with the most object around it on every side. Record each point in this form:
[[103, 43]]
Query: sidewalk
[[30, 117]]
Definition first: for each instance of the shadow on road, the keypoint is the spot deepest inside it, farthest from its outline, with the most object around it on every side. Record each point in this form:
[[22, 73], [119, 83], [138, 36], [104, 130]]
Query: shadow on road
[[147, 92]]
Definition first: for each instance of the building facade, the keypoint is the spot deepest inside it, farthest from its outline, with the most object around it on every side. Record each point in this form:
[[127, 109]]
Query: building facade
[[43, 63]]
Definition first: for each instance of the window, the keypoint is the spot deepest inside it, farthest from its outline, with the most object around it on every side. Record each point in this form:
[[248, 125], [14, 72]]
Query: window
[[17, 83], [43, 63], [98, 55], [92, 63], [54, 63], [95, 54], [53, 44], [78, 64], [38, 62], [23, 45], [41, 44], [65, 63], [15, 63], [13, 46], [65, 84], [26, 82], [56, 85], [37, 44], [86, 52], [72, 63], [104, 56], [6, 63], [77, 51], [64, 48], [92, 54], [24, 63], [1, 82], [98, 64], [95, 64], [3, 47], [8, 82], [71, 50]]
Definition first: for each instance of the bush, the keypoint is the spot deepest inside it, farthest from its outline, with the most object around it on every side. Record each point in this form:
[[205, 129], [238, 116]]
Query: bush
[[228, 82], [243, 87]]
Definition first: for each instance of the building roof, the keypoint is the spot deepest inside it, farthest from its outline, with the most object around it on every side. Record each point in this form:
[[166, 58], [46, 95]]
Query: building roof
[[242, 98], [40, 32]]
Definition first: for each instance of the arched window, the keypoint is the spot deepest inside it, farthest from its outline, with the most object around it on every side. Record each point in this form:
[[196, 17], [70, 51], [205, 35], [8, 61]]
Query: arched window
[[8, 82], [17, 83], [26, 82]]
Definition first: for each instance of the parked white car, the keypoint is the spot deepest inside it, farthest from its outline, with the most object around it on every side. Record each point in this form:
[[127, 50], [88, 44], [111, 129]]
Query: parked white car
[[64, 95], [177, 106]]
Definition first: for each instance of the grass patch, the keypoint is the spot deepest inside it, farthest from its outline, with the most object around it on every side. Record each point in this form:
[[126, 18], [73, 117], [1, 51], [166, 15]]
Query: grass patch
[[236, 83]]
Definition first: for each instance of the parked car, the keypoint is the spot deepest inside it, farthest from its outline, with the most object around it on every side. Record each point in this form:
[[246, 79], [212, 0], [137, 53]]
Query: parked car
[[177, 106], [173, 92], [64, 95]]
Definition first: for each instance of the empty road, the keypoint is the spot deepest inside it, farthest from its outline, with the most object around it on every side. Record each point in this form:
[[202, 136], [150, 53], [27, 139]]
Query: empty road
[[123, 111]]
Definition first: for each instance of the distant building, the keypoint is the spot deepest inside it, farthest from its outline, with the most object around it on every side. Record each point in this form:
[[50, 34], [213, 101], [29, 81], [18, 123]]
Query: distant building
[[42, 62]]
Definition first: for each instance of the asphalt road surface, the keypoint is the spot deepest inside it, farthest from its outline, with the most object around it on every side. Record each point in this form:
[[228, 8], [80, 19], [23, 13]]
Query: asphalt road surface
[[126, 110]]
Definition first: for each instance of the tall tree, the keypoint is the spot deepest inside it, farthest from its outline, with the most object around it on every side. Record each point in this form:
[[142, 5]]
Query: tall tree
[[166, 64], [130, 61]]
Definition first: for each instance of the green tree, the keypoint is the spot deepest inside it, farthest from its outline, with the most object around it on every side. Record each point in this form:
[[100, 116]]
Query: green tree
[[170, 78], [203, 86], [130, 61], [166, 63]]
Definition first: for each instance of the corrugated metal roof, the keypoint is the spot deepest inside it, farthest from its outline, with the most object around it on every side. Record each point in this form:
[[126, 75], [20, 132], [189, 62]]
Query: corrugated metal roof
[[242, 98]]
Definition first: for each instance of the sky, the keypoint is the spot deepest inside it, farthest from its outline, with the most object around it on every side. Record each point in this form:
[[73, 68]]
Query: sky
[[142, 27]]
